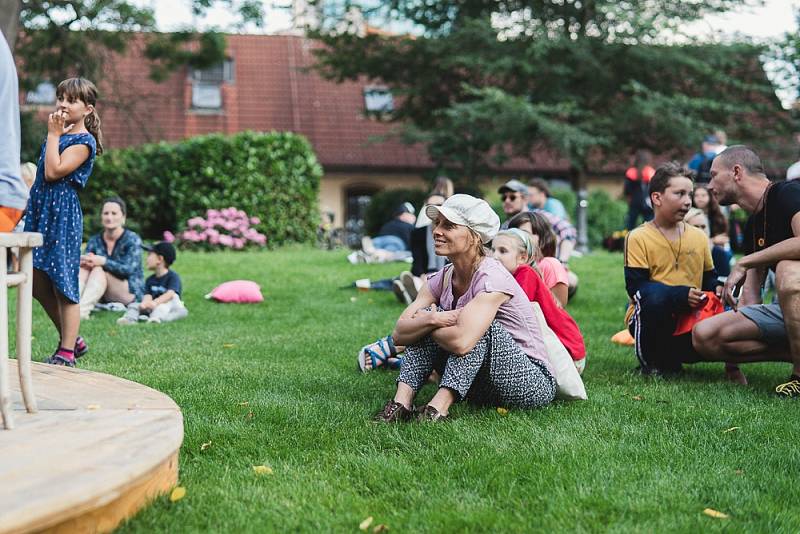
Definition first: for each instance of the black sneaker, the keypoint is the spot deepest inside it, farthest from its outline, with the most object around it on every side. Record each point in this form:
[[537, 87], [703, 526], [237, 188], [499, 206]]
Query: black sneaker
[[789, 389]]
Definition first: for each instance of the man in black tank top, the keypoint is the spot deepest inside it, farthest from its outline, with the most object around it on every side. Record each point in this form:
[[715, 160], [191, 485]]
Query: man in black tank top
[[756, 332]]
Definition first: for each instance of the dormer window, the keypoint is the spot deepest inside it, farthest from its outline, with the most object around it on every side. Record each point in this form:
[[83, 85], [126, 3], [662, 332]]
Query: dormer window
[[207, 85], [43, 95], [378, 100]]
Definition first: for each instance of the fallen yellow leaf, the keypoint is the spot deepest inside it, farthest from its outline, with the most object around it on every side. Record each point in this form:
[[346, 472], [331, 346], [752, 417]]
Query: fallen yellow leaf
[[738, 472], [637, 397], [262, 469], [204, 446], [93, 407], [245, 403], [364, 525], [502, 411], [228, 345], [177, 494], [710, 512], [731, 429], [353, 299], [380, 528], [250, 415]]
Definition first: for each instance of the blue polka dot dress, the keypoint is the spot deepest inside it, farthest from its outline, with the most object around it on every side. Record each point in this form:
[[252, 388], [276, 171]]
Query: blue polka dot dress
[[55, 212]]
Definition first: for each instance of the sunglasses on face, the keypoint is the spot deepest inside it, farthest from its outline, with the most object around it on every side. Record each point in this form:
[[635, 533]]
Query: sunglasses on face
[[510, 196]]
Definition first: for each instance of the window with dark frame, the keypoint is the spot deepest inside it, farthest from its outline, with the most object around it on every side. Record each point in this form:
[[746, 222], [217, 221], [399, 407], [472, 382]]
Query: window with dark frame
[[43, 95], [378, 100], [207, 85]]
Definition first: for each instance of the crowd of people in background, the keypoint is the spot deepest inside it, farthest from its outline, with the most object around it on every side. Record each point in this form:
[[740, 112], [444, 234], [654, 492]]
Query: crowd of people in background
[[461, 325]]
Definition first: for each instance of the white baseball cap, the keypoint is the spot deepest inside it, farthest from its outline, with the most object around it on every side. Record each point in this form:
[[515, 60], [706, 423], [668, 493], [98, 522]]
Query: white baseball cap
[[466, 210]]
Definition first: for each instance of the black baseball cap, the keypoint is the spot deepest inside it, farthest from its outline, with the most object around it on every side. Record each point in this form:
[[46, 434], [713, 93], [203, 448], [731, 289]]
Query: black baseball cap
[[163, 249]]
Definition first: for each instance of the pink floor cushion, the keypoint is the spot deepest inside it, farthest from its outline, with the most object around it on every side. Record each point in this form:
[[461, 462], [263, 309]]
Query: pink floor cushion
[[241, 291]]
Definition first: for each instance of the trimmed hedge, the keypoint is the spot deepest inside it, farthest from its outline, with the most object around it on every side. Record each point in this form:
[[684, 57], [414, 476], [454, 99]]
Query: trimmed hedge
[[273, 176], [606, 216]]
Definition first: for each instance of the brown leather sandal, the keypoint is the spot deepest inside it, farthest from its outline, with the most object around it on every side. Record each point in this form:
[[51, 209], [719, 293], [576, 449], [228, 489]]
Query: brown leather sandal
[[431, 414], [394, 412]]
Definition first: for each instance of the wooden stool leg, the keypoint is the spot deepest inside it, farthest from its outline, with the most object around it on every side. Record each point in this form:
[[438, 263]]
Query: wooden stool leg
[[5, 388], [24, 312]]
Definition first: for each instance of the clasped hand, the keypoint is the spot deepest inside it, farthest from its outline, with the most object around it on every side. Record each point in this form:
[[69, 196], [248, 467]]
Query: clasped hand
[[439, 319], [92, 260]]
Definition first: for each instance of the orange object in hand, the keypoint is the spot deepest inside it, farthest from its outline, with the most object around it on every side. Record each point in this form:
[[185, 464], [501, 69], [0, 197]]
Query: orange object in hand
[[711, 307]]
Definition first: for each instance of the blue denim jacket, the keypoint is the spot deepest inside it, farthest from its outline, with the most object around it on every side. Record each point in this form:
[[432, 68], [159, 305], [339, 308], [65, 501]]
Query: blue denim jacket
[[125, 261]]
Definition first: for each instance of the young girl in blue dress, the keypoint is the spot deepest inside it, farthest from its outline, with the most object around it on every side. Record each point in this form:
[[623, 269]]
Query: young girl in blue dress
[[65, 163]]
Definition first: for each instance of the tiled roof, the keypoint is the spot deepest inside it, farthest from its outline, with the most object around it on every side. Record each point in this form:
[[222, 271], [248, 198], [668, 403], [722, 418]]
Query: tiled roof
[[272, 89]]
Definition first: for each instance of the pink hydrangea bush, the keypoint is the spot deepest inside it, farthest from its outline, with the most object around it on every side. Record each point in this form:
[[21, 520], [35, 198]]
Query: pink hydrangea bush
[[224, 229]]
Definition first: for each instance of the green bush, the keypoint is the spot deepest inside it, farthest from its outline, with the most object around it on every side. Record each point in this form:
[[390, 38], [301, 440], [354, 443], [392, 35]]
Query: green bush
[[568, 198], [383, 204], [272, 176], [606, 215], [33, 134]]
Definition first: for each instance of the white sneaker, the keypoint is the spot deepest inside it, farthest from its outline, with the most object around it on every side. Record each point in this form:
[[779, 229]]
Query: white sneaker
[[125, 320], [401, 293], [408, 282], [367, 246]]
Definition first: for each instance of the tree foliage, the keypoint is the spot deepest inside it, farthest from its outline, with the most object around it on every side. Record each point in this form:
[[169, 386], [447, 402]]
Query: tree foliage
[[62, 38], [479, 81], [486, 80]]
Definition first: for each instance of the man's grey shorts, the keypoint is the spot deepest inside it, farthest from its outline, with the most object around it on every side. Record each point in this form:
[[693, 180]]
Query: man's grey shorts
[[769, 320]]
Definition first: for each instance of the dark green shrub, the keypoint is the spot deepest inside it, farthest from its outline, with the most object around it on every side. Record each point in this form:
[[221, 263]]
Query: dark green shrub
[[606, 215], [33, 133], [272, 176], [568, 198], [383, 204]]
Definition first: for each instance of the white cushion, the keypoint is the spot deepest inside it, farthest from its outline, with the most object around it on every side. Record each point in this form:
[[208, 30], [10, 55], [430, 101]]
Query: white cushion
[[568, 381]]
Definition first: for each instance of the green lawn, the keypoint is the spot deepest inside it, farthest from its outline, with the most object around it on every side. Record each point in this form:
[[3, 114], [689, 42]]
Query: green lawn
[[643, 455]]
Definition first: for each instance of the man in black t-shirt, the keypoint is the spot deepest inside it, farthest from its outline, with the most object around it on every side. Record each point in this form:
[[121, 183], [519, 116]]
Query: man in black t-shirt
[[756, 332]]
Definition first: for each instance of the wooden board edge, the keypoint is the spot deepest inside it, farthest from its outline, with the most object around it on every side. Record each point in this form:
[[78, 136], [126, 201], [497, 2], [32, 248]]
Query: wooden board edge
[[106, 517]]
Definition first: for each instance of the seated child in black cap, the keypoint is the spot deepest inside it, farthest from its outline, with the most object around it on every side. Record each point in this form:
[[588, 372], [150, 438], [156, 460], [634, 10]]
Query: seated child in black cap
[[162, 290]]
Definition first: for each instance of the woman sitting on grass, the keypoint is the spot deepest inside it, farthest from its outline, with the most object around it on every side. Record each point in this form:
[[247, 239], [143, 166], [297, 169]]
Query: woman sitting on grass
[[111, 268], [472, 323]]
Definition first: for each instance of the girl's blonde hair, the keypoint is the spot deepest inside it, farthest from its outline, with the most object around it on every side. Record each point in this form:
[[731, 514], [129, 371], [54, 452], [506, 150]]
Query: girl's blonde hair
[[697, 212], [523, 241], [82, 89]]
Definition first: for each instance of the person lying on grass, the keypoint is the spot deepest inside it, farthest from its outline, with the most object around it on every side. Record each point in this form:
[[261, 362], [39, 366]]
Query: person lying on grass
[[472, 323]]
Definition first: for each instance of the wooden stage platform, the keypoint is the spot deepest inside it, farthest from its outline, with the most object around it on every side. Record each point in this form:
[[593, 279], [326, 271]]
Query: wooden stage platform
[[99, 449]]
